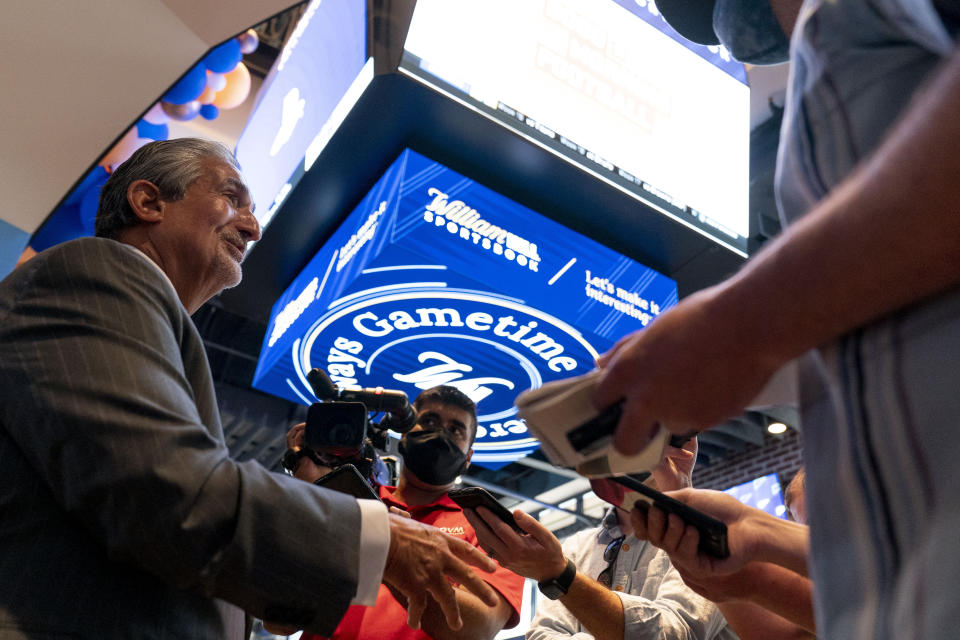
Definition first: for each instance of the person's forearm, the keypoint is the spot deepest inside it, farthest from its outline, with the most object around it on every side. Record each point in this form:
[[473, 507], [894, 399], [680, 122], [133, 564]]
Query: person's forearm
[[480, 622], [553, 621], [782, 543], [753, 622], [597, 608], [887, 237], [780, 591]]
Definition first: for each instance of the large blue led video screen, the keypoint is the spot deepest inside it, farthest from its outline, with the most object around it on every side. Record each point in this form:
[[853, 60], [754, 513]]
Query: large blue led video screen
[[608, 86], [761, 493], [436, 279], [319, 74]]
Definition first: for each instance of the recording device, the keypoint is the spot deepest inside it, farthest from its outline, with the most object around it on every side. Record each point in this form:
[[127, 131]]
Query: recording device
[[573, 433], [473, 497], [347, 479], [339, 429], [713, 533]]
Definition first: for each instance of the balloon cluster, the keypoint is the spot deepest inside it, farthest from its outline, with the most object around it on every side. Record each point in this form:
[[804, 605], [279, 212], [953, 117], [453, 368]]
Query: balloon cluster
[[219, 81]]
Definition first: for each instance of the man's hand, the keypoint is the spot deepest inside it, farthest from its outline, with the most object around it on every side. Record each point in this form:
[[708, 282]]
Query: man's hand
[[536, 555], [295, 435], [307, 470], [680, 541], [421, 563], [695, 366], [675, 470], [752, 535]]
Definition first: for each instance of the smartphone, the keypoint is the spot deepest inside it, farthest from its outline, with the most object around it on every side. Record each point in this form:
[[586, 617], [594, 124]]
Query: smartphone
[[713, 533], [597, 432], [347, 479], [473, 497]]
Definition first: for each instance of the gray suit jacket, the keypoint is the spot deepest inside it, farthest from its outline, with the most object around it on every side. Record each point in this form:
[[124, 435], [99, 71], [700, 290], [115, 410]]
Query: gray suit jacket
[[121, 512]]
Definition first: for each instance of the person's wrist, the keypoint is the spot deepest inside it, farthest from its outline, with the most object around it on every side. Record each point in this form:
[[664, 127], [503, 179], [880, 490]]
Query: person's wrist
[[770, 536], [738, 300], [299, 464], [292, 458], [745, 582], [553, 569], [559, 585]]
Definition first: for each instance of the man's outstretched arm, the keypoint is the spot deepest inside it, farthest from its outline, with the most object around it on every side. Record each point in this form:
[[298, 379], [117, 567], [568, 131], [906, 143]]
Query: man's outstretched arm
[[721, 344], [766, 567]]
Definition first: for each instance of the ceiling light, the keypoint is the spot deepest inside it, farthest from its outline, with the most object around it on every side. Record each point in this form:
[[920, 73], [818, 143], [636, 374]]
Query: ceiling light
[[776, 428]]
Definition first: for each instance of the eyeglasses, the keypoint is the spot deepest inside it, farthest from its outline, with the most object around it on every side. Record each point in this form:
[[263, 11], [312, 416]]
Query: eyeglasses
[[610, 557]]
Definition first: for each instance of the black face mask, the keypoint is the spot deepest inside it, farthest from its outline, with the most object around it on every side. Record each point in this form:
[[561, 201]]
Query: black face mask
[[432, 456], [750, 31]]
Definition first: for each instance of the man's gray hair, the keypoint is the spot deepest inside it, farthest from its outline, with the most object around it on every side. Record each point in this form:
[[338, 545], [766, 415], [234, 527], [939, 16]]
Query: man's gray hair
[[171, 165]]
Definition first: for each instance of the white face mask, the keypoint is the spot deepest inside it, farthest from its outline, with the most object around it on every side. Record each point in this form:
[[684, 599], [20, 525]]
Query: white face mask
[[750, 31]]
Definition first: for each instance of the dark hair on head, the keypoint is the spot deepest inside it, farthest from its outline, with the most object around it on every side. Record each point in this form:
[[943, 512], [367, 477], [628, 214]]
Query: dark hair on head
[[445, 394], [171, 165]]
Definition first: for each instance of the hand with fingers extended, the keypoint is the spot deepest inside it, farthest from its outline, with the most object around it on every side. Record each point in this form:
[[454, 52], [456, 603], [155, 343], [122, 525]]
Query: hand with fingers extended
[[675, 470], [680, 541], [698, 349], [766, 568], [307, 468], [752, 535], [536, 554], [423, 562], [295, 435]]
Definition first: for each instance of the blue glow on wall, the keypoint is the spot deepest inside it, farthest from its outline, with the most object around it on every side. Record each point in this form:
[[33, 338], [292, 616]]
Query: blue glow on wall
[[435, 279], [13, 240]]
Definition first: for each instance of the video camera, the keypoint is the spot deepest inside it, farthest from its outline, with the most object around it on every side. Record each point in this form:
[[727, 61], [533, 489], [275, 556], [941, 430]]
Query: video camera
[[339, 429]]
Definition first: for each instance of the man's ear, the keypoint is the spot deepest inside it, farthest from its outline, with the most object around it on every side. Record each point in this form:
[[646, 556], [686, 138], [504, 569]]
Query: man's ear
[[144, 199]]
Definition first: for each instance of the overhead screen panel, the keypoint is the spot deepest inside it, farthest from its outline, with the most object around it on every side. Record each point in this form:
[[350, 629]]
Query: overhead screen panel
[[436, 279], [761, 493], [607, 85], [320, 73]]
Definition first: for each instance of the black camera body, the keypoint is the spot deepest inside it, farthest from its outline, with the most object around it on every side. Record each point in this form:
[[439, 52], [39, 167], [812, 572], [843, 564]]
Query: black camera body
[[336, 428], [339, 429]]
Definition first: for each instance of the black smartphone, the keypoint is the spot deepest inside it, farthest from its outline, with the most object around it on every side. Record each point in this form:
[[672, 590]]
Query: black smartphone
[[713, 533], [596, 432], [473, 497], [347, 479]]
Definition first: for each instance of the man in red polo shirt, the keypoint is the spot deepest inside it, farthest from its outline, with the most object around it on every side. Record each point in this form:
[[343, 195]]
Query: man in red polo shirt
[[435, 452]]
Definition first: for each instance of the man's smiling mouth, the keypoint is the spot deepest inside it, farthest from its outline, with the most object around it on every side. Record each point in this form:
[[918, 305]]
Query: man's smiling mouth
[[238, 247]]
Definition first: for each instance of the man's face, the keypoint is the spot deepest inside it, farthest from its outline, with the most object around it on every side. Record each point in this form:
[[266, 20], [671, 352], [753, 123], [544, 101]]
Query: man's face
[[206, 232], [674, 472], [798, 506], [456, 421]]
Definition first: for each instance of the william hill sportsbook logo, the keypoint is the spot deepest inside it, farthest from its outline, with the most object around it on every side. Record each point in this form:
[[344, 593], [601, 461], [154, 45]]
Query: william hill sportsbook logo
[[464, 222], [489, 347]]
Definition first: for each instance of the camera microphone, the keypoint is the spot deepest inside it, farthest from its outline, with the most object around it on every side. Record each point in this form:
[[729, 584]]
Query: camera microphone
[[375, 398], [323, 386]]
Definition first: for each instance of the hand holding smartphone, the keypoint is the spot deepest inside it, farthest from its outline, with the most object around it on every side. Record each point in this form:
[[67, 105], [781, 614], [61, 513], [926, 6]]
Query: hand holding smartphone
[[347, 479], [713, 533], [473, 497]]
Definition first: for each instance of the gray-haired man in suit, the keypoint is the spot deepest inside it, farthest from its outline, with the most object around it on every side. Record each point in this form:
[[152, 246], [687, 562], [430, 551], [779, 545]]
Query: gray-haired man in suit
[[122, 514]]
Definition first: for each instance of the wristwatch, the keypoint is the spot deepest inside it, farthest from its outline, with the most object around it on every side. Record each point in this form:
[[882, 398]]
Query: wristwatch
[[558, 587], [291, 458]]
